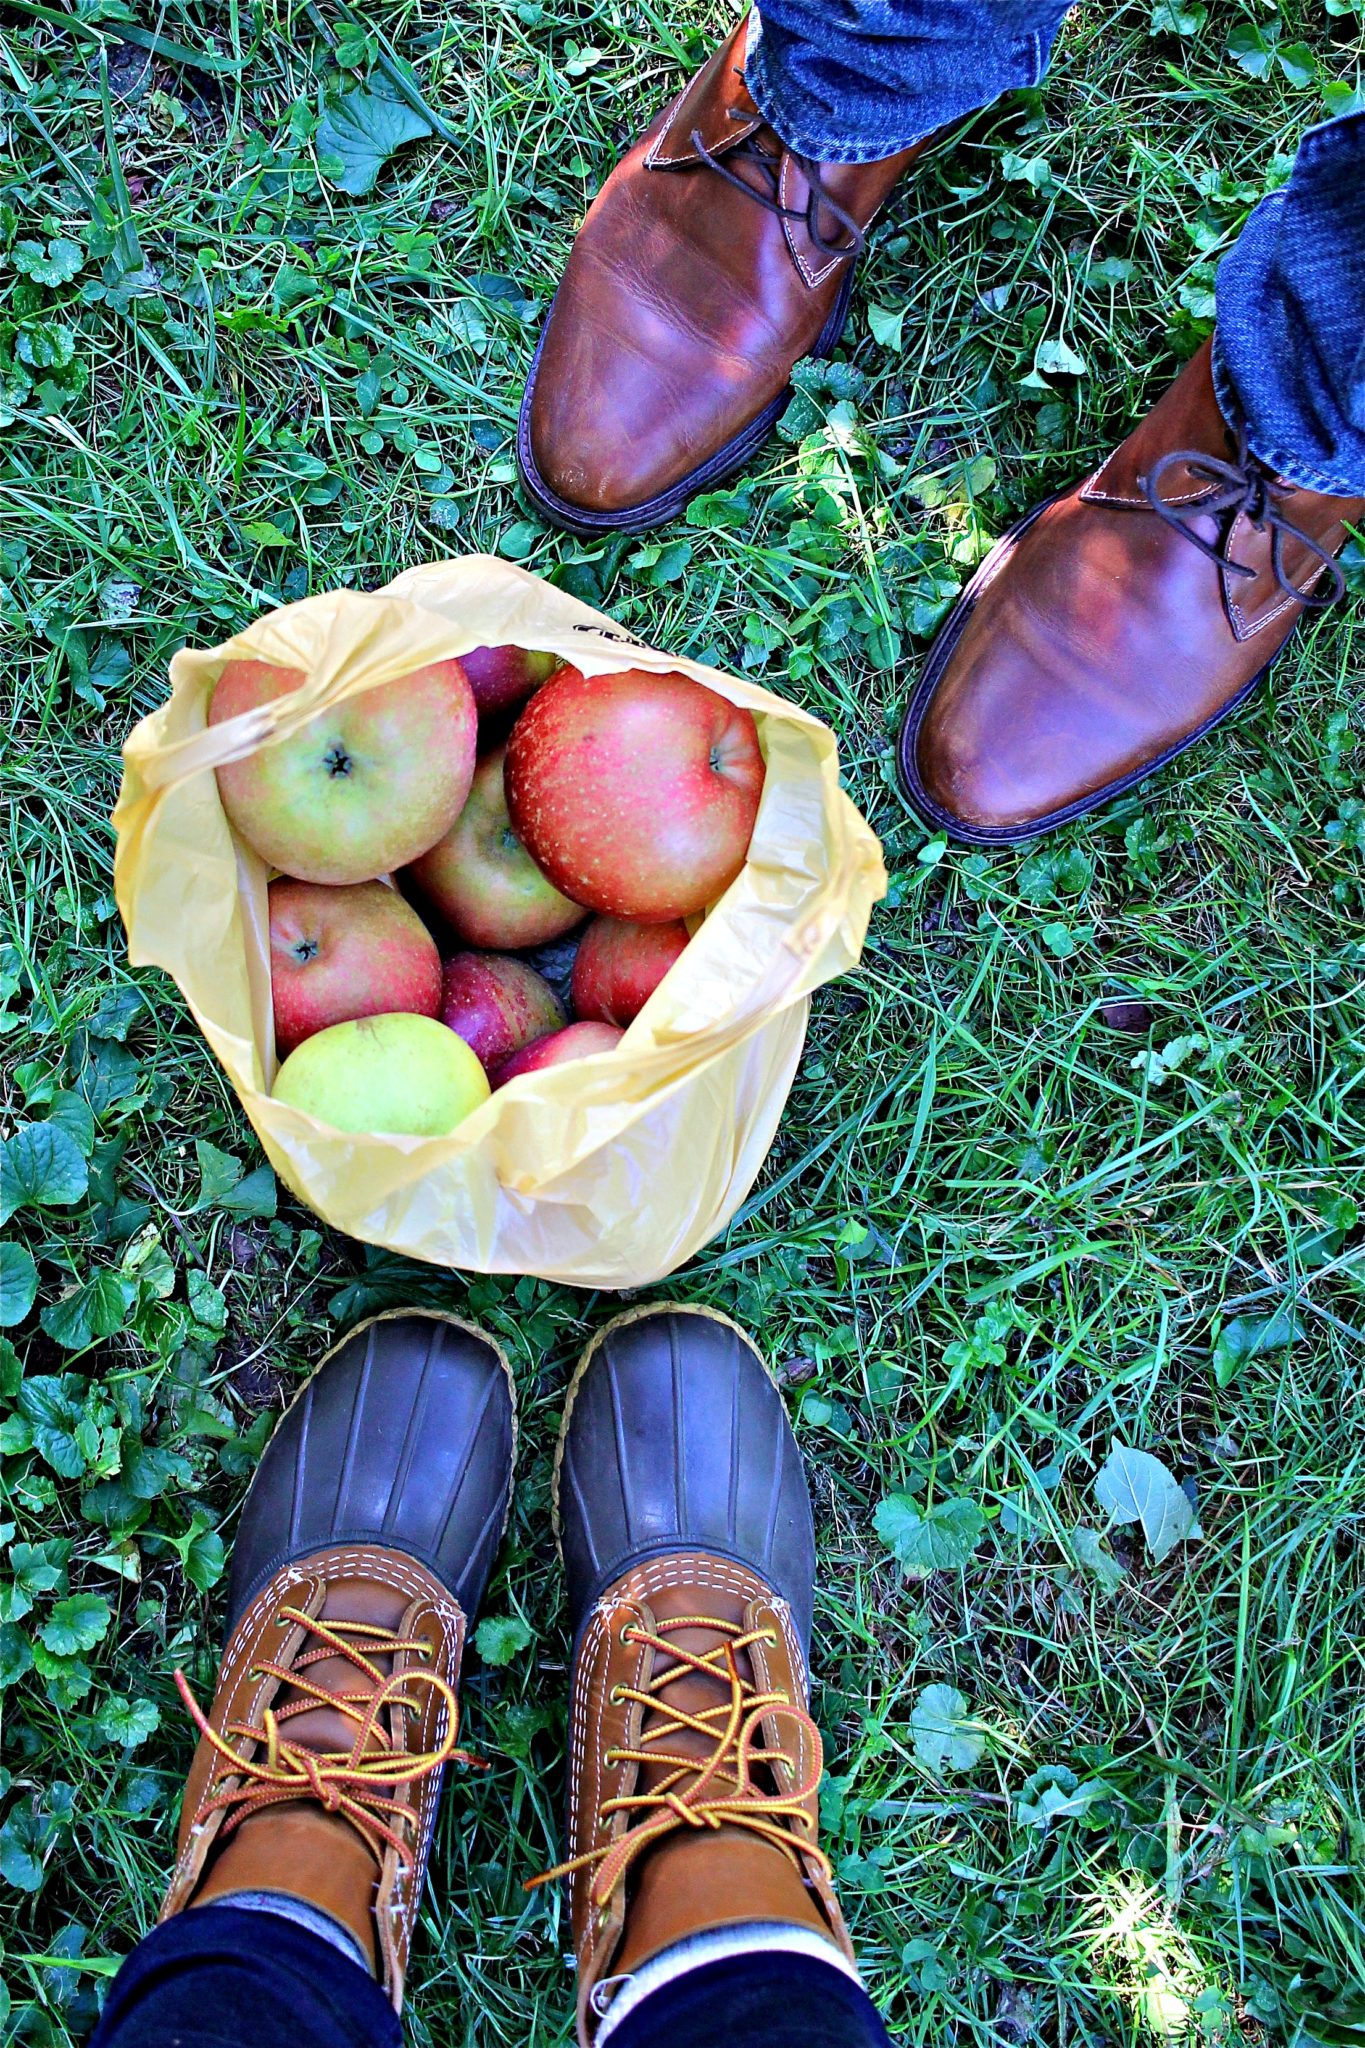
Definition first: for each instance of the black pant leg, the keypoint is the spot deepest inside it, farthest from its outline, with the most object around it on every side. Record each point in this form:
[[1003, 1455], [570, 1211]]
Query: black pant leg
[[219, 1977]]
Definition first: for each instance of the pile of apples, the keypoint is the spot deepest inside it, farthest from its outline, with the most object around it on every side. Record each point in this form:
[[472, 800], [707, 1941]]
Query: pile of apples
[[430, 833]]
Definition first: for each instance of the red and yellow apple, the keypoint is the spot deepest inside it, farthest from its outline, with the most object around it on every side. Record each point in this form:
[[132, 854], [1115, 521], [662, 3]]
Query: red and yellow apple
[[635, 793], [484, 882], [619, 965], [337, 953], [575, 1042], [363, 787], [503, 676], [497, 1004], [399, 1074]]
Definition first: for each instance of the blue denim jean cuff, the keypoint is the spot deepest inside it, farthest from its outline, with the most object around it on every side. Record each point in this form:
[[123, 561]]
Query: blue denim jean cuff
[[1289, 346], [941, 81]]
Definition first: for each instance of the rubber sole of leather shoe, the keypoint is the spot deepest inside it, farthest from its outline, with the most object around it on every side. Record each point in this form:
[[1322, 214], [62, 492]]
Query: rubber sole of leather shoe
[[937, 661], [765, 1410], [380, 1448], [658, 511]]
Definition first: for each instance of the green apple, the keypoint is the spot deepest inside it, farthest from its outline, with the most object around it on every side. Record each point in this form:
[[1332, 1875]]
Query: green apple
[[363, 787], [398, 1073]]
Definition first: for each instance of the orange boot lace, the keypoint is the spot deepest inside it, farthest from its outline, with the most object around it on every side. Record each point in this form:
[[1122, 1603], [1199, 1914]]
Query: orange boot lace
[[354, 1783], [712, 1791]]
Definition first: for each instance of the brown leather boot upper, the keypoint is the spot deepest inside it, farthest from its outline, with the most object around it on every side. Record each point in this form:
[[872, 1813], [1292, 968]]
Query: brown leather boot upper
[[688, 298], [319, 1764], [694, 1769], [1101, 637]]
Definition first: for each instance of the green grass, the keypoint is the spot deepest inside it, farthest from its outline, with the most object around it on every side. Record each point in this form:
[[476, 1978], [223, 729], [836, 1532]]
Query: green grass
[[997, 1234]]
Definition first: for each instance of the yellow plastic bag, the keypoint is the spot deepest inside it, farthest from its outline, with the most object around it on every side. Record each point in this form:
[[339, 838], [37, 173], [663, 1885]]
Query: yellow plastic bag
[[604, 1173]]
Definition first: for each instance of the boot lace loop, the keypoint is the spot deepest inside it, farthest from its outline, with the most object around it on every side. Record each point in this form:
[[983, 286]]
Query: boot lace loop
[[770, 164], [1241, 486], [709, 1791], [357, 1783]]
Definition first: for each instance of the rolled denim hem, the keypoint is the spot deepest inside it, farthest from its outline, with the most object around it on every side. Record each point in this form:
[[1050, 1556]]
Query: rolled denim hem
[[822, 146], [1303, 474], [924, 113]]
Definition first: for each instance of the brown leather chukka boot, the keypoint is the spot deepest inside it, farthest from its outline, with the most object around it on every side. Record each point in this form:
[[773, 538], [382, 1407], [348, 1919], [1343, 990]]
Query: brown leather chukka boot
[[365, 1543], [694, 1764], [1116, 624], [711, 261]]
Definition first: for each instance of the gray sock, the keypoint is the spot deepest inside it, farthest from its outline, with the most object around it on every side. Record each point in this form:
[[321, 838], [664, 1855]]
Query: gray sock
[[286, 1906]]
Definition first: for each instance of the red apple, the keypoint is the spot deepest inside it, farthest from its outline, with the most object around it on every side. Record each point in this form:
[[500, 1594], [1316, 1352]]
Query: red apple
[[575, 1042], [337, 954], [635, 793], [619, 965], [501, 676], [365, 786], [484, 882], [497, 1004]]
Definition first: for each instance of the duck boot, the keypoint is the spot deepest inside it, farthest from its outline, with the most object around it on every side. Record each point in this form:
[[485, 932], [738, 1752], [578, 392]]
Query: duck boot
[[694, 1765], [365, 1542]]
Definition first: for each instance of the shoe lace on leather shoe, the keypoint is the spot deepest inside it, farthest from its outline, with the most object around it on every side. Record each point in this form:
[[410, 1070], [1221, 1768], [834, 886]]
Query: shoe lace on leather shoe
[[769, 163], [354, 1783], [727, 1783], [1248, 487]]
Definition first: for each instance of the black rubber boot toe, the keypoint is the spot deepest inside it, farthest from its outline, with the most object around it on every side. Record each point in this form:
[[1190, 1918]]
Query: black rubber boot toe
[[404, 1437], [675, 1438]]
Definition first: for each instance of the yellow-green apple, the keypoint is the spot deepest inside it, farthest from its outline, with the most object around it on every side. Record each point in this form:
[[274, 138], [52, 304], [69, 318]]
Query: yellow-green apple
[[484, 882], [402, 1075], [365, 786], [619, 965], [497, 1004], [574, 1042], [503, 676], [636, 793], [337, 953]]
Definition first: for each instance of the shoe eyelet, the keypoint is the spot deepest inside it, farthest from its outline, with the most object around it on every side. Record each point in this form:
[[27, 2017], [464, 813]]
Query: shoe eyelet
[[770, 1637], [627, 1636], [616, 1697]]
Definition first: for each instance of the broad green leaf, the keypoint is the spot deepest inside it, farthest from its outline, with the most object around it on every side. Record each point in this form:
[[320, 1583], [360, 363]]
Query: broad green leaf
[[20, 1866], [501, 1638], [1253, 47], [1133, 1486], [88, 1313], [16, 1658], [1298, 63], [944, 1737], [1057, 358], [885, 324], [124, 1723], [358, 134], [203, 1556], [1178, 17], [71, 1113], [1247, 1337], [1087, 1547], [58, 264], [76, 1623], [219, 1172], [206, 1301], [40, 1166], [939, 1539], [18, 1283], [264, 533], [1054, 1793]]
